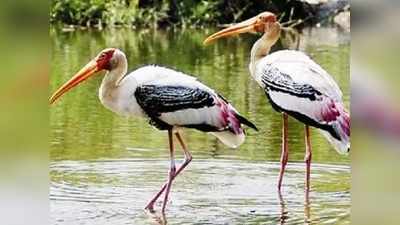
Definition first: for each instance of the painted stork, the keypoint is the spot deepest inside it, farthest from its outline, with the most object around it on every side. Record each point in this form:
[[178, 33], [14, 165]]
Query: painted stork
[[295, 85], [169, 99]]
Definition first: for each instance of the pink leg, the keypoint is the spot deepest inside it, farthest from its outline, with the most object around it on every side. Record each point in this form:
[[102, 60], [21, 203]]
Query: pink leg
[[308, 157], [172, 170], [188, 159], [285, 153]]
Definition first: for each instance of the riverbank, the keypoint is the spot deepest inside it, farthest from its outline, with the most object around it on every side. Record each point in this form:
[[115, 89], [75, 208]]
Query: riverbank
[[190, 13]]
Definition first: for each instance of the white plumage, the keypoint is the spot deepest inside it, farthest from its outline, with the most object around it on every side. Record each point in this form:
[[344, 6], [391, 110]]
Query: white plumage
[[295, 85], [302, 70], [299, 69], [123, 101], [169, 99]]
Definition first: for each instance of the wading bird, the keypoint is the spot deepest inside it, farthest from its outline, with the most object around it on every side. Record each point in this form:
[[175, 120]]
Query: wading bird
[[171, 100], [295, 85]]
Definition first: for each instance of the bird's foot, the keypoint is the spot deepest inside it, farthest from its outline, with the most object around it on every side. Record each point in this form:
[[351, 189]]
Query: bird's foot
[[164, 206], [158, 218], [150, 208]]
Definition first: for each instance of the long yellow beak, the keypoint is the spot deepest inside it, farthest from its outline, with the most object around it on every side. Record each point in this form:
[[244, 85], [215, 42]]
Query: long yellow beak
[[83, 74], [249, 25], [255, 24]]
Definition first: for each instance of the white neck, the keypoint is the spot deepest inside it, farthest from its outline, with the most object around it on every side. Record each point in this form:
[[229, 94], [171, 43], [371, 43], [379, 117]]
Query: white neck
[[259, 50], [116, 89], [262, 47], [109, 86]]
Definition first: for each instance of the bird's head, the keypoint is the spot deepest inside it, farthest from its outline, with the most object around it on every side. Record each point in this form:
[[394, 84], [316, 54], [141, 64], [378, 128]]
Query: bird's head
[[264, 22], [107, 59]]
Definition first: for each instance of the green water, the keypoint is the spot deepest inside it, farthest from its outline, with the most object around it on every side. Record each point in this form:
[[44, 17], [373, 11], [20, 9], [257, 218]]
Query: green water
[[104, 167]]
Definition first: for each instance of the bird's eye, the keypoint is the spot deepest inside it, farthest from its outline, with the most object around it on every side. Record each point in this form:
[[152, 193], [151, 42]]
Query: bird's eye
[[103, 55], [267, 18]]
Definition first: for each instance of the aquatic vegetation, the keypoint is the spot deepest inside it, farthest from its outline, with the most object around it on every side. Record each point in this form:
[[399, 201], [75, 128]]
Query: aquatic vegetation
[[185, 13]]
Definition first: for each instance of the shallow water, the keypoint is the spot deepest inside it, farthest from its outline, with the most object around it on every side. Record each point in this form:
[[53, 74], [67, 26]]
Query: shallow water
[[104, 168]]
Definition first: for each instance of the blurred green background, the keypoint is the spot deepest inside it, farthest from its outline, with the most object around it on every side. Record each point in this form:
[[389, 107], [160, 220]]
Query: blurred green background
[[24, 60]]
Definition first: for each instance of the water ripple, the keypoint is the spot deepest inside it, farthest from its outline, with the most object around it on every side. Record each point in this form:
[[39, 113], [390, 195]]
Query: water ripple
[[209, 192]]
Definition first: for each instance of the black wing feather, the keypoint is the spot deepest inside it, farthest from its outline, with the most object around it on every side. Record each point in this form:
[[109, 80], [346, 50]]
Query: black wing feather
[[275, 80], [155, 99]]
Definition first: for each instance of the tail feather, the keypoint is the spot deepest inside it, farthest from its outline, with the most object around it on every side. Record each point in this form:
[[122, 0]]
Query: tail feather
[[232, 134], [230, 139], [232, 118], [246, 122], [342, 128]]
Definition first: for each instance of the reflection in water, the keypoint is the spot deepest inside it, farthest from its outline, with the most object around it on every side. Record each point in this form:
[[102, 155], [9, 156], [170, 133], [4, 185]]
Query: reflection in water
[[284, 211], [210, 192], [307, 207], [104, 168], [157, 218]]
